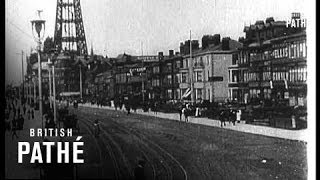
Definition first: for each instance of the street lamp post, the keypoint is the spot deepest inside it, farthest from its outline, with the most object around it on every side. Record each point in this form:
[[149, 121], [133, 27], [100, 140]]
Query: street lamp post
[[34, 89], [51, 65], [80, 81], [50, 91], [38, 26]]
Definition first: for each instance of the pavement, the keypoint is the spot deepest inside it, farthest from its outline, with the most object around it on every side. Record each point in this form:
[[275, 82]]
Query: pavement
[[25, 169], [299, 135]]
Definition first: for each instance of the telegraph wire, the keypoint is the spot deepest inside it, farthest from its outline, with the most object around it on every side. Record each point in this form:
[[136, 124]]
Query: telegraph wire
[[20, 29]]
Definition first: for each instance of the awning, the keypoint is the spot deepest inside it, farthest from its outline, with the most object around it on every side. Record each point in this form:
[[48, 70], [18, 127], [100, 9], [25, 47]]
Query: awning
[[186, 94]]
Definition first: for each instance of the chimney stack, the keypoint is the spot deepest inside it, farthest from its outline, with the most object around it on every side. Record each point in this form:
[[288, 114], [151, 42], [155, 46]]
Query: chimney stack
[[171, 53]]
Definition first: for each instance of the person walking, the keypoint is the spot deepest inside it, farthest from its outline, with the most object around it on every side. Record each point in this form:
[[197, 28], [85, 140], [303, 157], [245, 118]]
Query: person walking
[[14, 111], [24, 109], [184, 112], [155, 107], [128, 108], [18, 110], [222, 118], [14, 126], [180, 112], [96, 128], [20, 122], [139, 170], [32, 113], [239, 115], [28, 112]]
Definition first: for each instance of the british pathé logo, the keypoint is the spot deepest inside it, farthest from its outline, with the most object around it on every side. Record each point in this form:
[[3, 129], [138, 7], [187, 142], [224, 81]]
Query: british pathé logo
[[296, 21]]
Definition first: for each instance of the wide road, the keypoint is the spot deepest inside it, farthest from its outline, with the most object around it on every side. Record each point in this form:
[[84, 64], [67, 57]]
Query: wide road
[[177, 150]]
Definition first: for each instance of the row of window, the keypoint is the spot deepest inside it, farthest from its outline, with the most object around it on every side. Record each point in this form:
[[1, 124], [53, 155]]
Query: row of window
[[121, 77], [297, 74], [293, 50]]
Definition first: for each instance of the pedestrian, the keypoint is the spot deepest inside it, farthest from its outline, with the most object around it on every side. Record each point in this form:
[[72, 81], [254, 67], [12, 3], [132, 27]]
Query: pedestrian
[[9, 108], [180, 112], [28, 112], [96, 128], [32, 113], [21, 122], [7, 122], [18, 111], [14, 126], [128, 108], [233, 117], [155, 107], [24, 109], [239, 115], [184, 112], [222, 118], [139, 171], [14, 112]]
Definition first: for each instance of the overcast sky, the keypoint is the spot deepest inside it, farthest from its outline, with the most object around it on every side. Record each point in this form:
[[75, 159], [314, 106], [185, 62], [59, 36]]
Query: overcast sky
[[117, 26]]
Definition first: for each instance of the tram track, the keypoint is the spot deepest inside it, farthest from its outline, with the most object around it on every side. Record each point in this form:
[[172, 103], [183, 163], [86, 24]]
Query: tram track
[[163, 164], [109, 150]]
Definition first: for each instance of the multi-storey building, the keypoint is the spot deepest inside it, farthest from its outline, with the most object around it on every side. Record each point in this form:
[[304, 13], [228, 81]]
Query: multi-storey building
[[205, 76], [170, 76], [271, 64]]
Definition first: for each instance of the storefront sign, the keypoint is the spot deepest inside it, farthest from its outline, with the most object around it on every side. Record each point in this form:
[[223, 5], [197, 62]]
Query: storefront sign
[[148, 58]]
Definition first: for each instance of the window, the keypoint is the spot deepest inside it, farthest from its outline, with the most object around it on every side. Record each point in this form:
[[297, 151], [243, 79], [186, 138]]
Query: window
[[178, 64], [169, 67], [304, 49], [234, 76], [184, 77], [176, 78], [234, 59], [185, 63], [178, 95], [169, 79], [155, 82], [199, 76], [199, 94], [156, 69], [169, 93]]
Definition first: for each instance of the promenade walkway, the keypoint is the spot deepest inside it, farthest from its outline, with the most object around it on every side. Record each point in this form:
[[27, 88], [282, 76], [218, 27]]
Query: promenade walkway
[[300, 135]]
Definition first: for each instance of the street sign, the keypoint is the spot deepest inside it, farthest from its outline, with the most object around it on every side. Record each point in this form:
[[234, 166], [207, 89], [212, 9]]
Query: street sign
[[216, 78]]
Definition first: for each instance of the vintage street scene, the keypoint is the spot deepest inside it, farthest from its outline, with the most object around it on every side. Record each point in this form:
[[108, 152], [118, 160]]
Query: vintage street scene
[[103, 89]]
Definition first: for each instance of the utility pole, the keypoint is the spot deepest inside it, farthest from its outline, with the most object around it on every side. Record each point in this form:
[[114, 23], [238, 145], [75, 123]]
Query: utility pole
[[142, 72], [80, 81], [22, 80], [22, 76]]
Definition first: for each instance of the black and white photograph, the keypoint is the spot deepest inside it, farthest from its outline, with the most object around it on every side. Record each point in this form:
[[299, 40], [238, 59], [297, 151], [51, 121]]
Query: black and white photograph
[[160, 89]]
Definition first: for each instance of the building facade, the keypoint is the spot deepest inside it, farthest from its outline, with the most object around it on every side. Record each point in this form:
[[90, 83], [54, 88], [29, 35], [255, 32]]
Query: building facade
[[204, 76], [271, 65]]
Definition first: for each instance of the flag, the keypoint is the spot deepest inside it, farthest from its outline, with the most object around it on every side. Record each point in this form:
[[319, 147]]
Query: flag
[[187, 93]]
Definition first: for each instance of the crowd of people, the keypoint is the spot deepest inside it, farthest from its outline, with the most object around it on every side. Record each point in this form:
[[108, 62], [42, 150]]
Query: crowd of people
[[16, 112]]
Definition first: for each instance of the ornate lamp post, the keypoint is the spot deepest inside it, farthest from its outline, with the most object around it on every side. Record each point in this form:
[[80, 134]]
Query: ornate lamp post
[[50, 90], [38, 27]]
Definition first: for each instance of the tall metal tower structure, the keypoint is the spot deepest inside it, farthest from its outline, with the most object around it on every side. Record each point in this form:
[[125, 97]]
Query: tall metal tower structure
[[69, 35]]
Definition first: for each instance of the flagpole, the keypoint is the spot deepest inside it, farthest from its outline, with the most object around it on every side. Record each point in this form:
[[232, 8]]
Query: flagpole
[[191, 74]]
